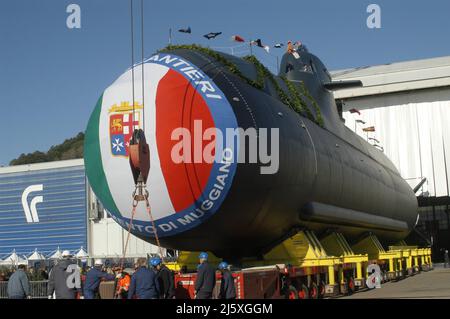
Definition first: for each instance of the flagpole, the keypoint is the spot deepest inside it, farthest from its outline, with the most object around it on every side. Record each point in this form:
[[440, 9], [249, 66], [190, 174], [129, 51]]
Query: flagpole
[[278, 66], [251, 50], [170, 36]]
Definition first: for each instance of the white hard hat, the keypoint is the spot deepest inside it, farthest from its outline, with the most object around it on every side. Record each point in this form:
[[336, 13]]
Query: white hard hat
[[66, 253], [98, 262]]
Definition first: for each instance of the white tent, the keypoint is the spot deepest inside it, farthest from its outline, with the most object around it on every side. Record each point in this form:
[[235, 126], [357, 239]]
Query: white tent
[[14, 259], [35, 256], [56, 255], [81, 254]]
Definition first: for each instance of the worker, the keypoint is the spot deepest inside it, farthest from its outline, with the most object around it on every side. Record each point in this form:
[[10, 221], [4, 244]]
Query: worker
[[65, 279], [18, 284], [206, 278], [446, 259], [144, 282], [290, 47], [93, 278], [123, 283], [165, 278], [227, 288]]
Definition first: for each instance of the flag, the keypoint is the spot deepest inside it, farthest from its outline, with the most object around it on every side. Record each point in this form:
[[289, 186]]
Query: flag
[[258, 43], [278, 45], [237, 38], [188, 30], [212, 35], [355, 111], [369, 129]]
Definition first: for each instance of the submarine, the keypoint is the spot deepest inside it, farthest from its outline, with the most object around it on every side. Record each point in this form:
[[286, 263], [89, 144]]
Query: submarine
[[326, 177]]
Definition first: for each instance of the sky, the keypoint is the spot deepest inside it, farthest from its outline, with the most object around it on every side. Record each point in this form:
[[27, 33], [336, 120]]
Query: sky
[[51, 76]]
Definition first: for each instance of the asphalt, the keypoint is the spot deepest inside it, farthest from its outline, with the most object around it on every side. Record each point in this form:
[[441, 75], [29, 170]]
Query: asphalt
[[433, 284]]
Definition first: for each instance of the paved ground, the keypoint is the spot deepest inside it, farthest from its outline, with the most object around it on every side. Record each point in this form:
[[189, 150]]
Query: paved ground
[[433, 284]]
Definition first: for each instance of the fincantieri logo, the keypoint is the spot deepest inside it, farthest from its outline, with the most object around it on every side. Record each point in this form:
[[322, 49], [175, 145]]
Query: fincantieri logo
[[30, 210]]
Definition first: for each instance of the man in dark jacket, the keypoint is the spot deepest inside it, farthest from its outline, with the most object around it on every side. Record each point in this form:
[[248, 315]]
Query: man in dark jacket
[[206, 278], [93, 279], [227, 289], [18, 284], [65, 279], [144, 282], [165, 278]]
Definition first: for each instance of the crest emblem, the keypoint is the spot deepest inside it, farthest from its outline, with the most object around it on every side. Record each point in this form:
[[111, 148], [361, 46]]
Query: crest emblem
[[122, 123]]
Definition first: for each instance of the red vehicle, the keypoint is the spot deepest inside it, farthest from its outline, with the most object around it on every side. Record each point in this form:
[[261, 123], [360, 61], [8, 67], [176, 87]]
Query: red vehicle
[[258, 283]]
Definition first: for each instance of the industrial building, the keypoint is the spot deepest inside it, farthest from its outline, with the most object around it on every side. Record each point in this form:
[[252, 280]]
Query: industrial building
[[404, 110], [49, 206]]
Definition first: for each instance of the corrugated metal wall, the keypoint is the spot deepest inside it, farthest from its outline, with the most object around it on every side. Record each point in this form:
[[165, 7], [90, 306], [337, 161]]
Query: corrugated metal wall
[[62, 213]]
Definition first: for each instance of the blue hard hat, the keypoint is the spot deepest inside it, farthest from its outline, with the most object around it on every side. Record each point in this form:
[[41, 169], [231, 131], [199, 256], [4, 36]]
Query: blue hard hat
[[155, 261], [203, 255], [223, 265]]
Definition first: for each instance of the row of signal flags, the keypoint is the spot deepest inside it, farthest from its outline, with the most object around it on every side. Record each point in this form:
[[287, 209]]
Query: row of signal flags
[[236, 38], [366, 129]]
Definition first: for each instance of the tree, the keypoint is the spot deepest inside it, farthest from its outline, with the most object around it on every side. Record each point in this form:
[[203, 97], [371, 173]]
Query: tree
[[69, 149]]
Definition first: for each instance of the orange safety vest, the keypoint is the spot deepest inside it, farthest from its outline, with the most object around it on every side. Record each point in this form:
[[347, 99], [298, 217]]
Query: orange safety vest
[[124, 283]]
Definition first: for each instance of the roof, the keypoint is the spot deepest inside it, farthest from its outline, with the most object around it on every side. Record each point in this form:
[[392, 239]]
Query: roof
[[40, 166], [396, 77]]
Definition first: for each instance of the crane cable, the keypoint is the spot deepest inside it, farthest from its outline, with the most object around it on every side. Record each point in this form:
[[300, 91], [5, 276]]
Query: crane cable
[[140, 187], [142, 64], [132, 60]]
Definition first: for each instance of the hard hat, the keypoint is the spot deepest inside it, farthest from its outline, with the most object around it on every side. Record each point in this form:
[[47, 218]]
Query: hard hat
[[223, 265], [155, 261], [98, 262], [203, 255], [66, 253]]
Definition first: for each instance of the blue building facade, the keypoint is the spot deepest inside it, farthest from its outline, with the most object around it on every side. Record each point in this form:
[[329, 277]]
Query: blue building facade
[[43, 208]]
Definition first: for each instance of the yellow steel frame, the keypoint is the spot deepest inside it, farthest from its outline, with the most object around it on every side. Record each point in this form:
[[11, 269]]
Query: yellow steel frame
[[305, 251], [335, 244]]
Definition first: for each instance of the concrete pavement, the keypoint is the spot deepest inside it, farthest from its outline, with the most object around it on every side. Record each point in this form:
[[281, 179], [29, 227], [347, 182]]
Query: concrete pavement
[[432, 284]]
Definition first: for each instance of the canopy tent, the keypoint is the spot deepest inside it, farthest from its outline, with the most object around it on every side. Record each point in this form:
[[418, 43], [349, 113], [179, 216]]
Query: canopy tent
[[81, 254], [14, 259], [36, 256], [56, 255]]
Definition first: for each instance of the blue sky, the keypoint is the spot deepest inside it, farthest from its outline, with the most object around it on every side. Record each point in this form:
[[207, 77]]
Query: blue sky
[[52, 76]]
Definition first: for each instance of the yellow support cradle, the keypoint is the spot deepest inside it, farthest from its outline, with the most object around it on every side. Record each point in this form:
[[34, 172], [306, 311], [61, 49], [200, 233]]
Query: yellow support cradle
[[335, 244], [304, 250], [372, 246]]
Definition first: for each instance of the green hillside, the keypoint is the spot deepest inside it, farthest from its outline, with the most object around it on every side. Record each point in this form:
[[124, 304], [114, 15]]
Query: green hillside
[[69, 149]]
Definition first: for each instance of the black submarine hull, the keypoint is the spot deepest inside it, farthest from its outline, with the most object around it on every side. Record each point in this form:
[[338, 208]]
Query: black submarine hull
[[328, 177]]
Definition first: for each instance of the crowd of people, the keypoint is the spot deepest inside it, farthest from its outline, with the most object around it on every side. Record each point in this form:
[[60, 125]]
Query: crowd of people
[[149, 280]]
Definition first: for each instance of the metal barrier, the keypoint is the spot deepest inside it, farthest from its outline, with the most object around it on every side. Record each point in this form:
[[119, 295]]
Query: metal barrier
[[3, 289], [38, 289]]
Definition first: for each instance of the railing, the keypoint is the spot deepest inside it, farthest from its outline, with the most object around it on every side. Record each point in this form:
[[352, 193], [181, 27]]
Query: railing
[[38, 289]]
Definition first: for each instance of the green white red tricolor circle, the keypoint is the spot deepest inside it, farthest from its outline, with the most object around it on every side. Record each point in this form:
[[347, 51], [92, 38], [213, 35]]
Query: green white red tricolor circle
[[177, 94]]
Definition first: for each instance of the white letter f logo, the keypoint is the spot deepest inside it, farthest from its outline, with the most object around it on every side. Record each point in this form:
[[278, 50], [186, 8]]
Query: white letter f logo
[[30, 211]]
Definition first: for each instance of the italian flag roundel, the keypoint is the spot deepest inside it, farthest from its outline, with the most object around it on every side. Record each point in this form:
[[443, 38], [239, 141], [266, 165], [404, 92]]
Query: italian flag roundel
[[182, 113]]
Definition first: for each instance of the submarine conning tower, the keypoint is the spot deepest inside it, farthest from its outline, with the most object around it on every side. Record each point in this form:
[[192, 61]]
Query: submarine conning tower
[[303, 68]]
